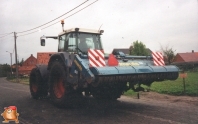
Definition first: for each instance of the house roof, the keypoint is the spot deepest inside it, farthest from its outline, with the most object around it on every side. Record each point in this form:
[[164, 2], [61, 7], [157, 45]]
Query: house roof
[[43, 57], [26, 68], [186, 57], [29, 61], [196, 53]]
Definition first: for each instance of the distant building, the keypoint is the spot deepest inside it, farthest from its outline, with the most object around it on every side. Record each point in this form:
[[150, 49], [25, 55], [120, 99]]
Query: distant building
[[183, 58], [189, 60], [43, 57], [27, 65]]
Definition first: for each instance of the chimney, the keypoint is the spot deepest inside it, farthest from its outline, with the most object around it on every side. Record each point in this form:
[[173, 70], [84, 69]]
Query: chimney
[[192, 51]]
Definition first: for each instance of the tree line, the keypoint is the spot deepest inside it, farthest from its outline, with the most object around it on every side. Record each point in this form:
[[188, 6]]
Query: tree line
[[4, 70]]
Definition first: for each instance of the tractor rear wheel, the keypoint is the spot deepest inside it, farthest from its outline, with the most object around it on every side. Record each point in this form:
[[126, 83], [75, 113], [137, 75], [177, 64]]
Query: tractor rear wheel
[[61, 92], [38, 88]]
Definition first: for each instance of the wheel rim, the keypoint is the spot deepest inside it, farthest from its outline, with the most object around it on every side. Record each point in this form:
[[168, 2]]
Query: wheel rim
[[59, 88]]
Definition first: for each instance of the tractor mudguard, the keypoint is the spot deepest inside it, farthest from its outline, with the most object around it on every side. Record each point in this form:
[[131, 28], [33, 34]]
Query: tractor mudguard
[[64, 57], [43, 70]]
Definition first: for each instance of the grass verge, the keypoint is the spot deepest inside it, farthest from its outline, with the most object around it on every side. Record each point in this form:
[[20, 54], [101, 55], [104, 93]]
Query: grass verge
[[175, 87], [24, 80]]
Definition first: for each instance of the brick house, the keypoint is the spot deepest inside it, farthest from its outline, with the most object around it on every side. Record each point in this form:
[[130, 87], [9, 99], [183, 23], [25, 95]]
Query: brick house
[[27, 65], [183, 58], [43, 57], [186, 60]]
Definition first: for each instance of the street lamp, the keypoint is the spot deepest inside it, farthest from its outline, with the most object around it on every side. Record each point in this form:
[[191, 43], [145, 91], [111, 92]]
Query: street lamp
[[11, 61]]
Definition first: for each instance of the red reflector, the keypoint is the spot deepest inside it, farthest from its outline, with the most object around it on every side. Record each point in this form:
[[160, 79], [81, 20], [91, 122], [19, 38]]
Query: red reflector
[[97, 57], [112, 61]]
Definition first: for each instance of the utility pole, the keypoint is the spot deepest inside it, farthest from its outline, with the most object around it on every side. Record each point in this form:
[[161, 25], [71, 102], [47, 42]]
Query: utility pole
[[15, 46]]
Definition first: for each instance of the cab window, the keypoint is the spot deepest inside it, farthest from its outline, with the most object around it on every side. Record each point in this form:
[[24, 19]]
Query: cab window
[[61, 43], [71, 42]]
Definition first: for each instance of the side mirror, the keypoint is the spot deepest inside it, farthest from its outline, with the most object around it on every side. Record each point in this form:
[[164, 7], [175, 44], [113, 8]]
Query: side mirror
[[42, 42]]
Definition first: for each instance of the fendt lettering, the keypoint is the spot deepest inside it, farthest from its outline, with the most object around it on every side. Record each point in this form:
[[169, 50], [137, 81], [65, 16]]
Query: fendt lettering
[[129, 64]]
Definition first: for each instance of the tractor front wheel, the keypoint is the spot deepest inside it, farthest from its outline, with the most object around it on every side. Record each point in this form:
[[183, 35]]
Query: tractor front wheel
[[38, 87]]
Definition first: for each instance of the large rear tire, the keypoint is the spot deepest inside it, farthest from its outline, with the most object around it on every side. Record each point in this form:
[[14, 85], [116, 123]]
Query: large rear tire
[[38, 87], [61, 92]]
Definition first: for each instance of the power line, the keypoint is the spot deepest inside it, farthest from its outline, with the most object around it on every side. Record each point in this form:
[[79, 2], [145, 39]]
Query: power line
[[6, 35], [59, 21], [53, 19], [27, 33], [6, 38], [71, 14]]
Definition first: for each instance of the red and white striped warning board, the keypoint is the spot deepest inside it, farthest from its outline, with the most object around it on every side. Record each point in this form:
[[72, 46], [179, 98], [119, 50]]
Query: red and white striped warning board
[[158, 59], [96, 58]]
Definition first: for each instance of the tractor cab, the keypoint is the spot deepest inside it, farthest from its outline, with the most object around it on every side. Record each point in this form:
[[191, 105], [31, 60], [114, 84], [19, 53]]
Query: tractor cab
[[77, 40]]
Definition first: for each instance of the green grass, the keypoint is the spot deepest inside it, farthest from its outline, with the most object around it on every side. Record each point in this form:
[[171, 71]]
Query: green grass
[[130, 93], [25, 80], [21, 80], [175, 87]]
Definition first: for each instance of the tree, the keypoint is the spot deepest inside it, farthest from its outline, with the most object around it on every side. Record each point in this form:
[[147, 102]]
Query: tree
[[169, 53], [4, 70], [138, 49], [21, 62]]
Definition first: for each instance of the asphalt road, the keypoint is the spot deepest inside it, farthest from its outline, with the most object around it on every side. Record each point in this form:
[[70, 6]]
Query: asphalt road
[[125, 110]]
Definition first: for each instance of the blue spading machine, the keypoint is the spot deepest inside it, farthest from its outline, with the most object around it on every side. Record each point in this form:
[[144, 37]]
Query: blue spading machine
[[81, 66]]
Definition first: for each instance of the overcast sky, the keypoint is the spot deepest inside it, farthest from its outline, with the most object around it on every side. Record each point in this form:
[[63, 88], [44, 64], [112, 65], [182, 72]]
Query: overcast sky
[[154, 22]]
